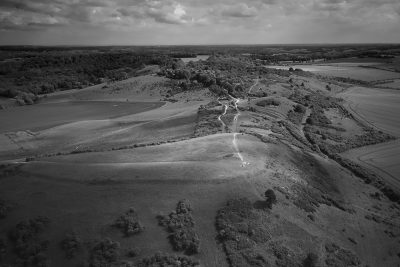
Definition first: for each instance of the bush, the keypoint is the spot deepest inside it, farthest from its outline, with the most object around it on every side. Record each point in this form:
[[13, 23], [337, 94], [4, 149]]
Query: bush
[[180, 224], [4, 209], [104, 253], [310, 121], [241, 229], [268, 102], [2, 249], [311, 260], [337, 256], [299, 109], [71, 245], [10, 93], [129, 223], [133, 252], [161, 260], [270, 198], [29, 249], [27, 230]]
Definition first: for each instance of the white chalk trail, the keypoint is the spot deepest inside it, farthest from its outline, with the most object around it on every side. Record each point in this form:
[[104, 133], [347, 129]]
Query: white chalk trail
[[235, 145], [223, 114], [251, 87]]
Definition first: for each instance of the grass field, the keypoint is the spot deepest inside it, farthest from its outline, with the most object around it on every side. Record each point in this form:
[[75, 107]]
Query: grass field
[[205, 171], [48, 115]]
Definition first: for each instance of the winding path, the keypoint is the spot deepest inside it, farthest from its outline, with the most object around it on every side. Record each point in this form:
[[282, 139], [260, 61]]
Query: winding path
[[251, 87], [223, 114]]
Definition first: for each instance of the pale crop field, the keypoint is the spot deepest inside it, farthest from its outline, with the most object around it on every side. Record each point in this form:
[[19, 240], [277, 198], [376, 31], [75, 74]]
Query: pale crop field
[[346, 70], [379, 108]]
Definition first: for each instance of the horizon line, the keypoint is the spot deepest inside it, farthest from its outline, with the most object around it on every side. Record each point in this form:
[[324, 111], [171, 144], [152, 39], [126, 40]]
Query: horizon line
[[167, 45]]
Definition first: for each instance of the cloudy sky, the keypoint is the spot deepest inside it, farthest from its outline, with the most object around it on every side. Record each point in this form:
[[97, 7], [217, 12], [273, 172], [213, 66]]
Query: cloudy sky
[[138, 22]]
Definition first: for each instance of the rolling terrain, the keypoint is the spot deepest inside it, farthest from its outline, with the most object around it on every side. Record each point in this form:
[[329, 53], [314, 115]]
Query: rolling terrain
[[143, 145]]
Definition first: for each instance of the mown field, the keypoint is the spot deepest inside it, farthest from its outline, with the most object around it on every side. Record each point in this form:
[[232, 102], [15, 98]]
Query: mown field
[[358, 71], [375, 106]]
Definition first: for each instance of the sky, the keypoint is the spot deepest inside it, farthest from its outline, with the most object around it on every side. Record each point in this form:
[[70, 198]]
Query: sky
[[175, 22]]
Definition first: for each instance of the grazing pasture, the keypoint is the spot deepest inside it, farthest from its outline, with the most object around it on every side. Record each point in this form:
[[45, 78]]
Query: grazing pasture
[[48, 115]]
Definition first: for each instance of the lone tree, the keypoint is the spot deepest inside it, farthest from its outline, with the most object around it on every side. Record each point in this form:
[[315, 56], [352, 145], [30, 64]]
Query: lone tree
[[270, 198], [311, 260]]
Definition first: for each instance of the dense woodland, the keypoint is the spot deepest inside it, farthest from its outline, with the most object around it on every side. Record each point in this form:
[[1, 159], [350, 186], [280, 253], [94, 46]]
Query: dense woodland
[[28, 71]]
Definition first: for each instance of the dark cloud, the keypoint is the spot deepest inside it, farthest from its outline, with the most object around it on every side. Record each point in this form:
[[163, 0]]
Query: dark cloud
[[253, 17]]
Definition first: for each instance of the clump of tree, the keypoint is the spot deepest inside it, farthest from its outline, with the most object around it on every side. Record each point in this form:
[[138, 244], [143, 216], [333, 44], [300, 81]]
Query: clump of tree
[[296, 115], [180, 224], [64, 69], [161, 260], [311, 260], [104, 253], [71, 244], [337, 256], [268, 102], [129, 223], [270, 198], [240, 229], [30, 250], [4, 209], [299, 108], [3, 249], [133, 252]]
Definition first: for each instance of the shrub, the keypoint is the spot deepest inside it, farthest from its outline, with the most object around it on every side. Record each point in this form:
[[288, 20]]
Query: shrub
[[4, 209], [240, 229], [311, 260], [129, 223], [268, 102], [2, 249], [270, 198], [71, 245], [309, 121], [180, 224], [29, 249], [133, 252], [161, 260], [26, 230], [299, 109], [104, 253], [337, 256], [10, 93]]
